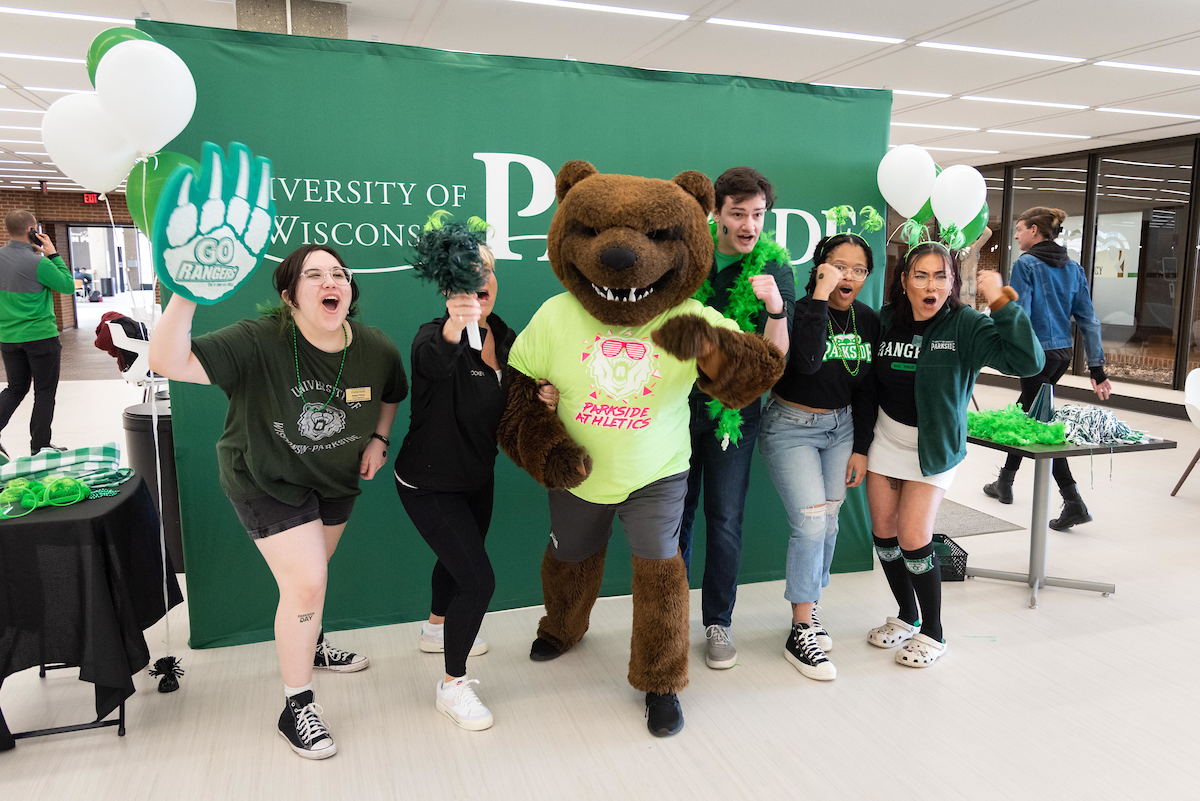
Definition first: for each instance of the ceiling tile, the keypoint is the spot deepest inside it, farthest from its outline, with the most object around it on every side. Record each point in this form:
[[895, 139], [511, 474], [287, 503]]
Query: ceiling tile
[[928, 70]]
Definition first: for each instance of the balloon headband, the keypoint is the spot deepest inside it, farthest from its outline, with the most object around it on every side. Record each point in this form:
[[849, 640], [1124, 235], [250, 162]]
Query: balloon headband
[[448, 253], [868, 220]]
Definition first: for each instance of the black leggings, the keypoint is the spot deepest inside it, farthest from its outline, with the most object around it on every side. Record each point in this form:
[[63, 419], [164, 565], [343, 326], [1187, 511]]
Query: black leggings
[[1057, 362], [455, 525]]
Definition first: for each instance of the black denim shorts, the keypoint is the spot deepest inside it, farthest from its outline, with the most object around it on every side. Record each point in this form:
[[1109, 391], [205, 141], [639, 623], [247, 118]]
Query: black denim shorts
[[263, 515]]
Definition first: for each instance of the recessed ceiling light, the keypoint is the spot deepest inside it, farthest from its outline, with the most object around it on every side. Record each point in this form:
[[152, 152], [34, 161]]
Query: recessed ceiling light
[[1044, 104], [922, 125], [1147, 67], [766, 26], [1055, 189], [30, 57], [20, 141], [1056, 178], [24, 169], [1177, 181], [991, 51], [21, 127], [1131, 188], [1151, 113], [637, 12], [64, 91], [962, 150], [1174, 191], [1139, 163], [844, 86], [24, 110], [29, 12], [919, 94], [1053, 169], [1036, 133], [1130, 197], [1134, 178]]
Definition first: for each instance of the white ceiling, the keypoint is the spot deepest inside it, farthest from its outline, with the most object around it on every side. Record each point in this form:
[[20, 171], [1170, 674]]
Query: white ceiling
[[1162, 33]]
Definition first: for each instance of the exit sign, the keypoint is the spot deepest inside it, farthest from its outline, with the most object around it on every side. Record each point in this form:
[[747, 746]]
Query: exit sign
[[91, 197]]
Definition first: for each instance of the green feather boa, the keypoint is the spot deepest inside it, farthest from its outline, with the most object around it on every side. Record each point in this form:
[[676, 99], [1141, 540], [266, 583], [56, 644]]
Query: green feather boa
[[743, 308]]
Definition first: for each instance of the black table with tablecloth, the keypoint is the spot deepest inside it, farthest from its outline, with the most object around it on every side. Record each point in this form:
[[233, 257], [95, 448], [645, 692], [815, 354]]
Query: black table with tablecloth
[[78, 586]]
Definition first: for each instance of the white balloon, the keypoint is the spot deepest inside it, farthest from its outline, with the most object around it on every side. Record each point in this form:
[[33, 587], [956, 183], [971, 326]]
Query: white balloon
[[958, 195], [84, 143], [148, 91], [906, 176]]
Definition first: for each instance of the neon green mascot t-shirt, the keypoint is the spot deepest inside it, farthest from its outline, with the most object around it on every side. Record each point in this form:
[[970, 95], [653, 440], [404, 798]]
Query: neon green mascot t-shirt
[[621, 397]]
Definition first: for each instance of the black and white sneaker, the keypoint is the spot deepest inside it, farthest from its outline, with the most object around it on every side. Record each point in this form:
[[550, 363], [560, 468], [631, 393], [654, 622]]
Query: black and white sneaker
[[823, 638], [806, 656], [301, 725], [337, 660]]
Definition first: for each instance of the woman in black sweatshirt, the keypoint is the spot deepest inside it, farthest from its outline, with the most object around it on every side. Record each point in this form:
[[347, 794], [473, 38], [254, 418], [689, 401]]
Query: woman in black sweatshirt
[[444, 474], [817, 427]]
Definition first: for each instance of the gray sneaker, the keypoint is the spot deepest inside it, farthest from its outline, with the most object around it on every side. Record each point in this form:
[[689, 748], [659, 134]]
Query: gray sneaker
[[721, 652], [823, 638]]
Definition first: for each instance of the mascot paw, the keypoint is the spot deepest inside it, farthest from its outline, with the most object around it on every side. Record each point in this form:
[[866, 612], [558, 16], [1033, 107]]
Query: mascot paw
[[685, 337], [567, 466]]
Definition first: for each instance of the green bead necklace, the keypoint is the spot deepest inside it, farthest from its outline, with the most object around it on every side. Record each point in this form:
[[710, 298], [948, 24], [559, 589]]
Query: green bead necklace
[[311, 407], [852, 329]]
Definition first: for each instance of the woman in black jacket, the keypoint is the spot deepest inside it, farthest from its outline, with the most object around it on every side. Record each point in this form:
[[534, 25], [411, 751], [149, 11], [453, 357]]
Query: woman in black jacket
[[816, 430], [444, 475]]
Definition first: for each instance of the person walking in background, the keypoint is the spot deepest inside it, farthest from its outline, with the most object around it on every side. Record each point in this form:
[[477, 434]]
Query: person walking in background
[[1053, 290], [29, 268]]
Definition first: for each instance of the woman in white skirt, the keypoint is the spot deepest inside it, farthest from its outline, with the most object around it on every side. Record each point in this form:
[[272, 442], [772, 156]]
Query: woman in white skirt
[[930, 352]]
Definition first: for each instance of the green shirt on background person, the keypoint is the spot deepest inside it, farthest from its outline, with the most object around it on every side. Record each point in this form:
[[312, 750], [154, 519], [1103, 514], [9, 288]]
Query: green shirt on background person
[[26, 304]]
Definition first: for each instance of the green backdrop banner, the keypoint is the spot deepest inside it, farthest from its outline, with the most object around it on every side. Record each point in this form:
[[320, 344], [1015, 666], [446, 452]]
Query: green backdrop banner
[[367, 140]]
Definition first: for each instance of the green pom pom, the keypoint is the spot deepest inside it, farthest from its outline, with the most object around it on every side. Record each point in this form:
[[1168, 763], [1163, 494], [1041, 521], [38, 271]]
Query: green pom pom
[[447, 253], [1011, 426]]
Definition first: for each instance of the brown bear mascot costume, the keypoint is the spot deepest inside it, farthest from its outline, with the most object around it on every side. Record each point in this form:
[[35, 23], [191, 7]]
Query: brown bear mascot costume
[[624, 345]]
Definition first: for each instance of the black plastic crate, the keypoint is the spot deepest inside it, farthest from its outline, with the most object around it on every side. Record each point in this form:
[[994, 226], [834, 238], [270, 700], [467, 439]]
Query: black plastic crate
[[952, 558]]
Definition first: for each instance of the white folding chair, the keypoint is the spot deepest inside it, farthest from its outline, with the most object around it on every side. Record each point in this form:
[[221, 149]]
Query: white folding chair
[[1191, 402], [138, 373]]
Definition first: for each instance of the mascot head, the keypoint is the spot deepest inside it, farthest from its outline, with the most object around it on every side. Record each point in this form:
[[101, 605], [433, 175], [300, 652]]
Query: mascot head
[[629, 248]]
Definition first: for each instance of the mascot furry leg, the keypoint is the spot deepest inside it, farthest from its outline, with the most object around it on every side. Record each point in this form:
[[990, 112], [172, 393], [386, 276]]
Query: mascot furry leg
[[570, 590]]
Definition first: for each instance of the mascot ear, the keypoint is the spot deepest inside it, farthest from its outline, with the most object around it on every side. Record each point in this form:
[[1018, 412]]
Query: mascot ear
[[698, 186], [571, 173]]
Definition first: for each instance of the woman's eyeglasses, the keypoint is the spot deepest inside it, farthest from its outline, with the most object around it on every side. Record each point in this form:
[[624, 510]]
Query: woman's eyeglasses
[[856, 274], [340, 277], [921, 280]]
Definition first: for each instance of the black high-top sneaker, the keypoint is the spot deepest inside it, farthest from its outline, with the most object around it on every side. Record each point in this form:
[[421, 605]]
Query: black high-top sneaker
[[806, 656], [330, 658], [301, 725]]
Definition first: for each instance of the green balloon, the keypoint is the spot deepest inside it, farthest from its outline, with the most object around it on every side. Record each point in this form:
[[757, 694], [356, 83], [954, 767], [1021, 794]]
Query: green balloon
[[145, 184], [107, 41], [975, 229], [926, 212]]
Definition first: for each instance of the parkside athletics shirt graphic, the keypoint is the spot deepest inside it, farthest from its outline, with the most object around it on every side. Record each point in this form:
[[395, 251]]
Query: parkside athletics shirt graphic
[[621, 397], [623, 371], [849, 347]]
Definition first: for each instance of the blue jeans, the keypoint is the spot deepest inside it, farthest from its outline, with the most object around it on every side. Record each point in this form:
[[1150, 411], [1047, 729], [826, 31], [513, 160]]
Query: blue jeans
[[726, 478], [807, 455]]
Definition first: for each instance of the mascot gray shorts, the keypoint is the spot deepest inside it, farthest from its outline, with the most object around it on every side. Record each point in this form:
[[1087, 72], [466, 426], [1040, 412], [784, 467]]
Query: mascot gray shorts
[[650, 516]]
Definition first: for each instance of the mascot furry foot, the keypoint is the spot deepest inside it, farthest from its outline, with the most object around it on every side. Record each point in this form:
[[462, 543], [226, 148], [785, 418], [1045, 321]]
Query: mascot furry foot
[[570, 590]]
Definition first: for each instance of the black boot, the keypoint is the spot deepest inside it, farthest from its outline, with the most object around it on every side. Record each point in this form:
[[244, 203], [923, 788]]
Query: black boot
[[1074, 510], [1001, 488]]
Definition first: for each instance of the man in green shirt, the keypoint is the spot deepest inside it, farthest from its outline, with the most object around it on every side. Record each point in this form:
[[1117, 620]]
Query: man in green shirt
[[29, 268]]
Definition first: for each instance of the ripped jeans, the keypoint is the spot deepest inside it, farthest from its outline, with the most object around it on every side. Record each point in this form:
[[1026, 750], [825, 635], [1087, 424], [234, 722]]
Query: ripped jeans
[[807, 455]]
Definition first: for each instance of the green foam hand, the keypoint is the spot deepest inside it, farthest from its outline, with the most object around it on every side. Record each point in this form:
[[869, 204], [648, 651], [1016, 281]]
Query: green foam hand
[[208, 238]]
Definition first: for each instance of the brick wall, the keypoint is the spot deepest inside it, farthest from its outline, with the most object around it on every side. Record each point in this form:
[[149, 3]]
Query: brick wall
[[55, 211]]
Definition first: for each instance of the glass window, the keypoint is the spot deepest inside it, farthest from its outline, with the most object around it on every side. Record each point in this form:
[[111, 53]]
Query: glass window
[[1056, 185], [984, 252], [1142, 203]]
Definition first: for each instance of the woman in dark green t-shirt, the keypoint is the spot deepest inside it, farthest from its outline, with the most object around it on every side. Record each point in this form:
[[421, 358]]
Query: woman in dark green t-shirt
[[312, 396]]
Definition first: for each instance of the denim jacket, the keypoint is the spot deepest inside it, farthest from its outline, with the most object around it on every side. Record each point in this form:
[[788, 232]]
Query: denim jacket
[[1052, 297]]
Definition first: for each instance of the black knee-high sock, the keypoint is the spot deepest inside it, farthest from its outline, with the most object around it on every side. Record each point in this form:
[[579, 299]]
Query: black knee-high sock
[[926, 578], [899, 579]]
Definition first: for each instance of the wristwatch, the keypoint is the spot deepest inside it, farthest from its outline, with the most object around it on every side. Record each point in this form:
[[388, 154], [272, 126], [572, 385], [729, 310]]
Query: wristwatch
[[780, 316]]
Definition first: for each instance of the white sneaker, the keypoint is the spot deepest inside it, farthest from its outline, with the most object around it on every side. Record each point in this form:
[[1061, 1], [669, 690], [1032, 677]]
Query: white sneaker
[[459, 703], [435, 643]]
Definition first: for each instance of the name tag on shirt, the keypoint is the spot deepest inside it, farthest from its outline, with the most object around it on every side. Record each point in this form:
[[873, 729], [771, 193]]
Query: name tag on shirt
[[358, 394]]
